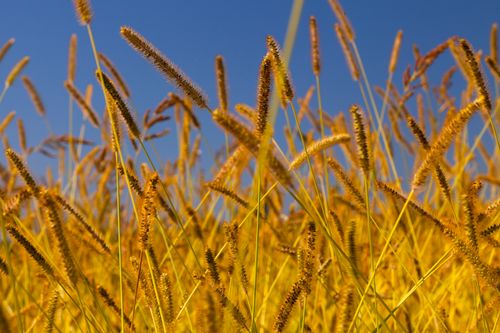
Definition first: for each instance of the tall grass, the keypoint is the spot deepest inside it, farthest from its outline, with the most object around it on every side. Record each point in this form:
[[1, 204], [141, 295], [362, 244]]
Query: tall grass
[[311, 233]]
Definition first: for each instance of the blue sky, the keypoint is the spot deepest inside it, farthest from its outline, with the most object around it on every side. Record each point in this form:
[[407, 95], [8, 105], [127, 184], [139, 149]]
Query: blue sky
[[193, 32]]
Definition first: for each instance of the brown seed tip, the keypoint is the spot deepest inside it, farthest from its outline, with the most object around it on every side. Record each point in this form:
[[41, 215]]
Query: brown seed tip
[[83, 11], [349, 56], [361, 138], [220, 72], [263, 93], [72, 58], [395, 51], [476, 74], [344, 21], [35, 97], [5, 48], [313, 31], [173, 74], [280, 72], [493, 43], [14, 73]]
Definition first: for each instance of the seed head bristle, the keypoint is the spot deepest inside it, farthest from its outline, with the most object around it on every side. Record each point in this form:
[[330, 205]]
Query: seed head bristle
[[308, 269], [493, 44], [230, 165], [494, 67], [422, 139], [351, 244], [114, 122], [212, 268], [361, 139], [23, 171], [120, 104], [246, 111], [338, 224], [6, 47], [344, 21], [443, 141], [287, 306], [490, 230], [164, 65], [346, 310], [22, 135], [16, 70], [469, 206], [251, 143], [233, 309], [32, 251], [263, 94], [220, 73], [3, 266], [187, 108], [72, 58], [84, 106], [6, 121], [349, 56], [396, 195], [479, 82], [318, 146], [346, 181], [165, 287], [280, 72], [315, 55], [219, 187], [395, 51], [56, 228], [110, 302], [83, 11], [51, 312], [87, 227], [148, 211], [116, 75], [35, 97]]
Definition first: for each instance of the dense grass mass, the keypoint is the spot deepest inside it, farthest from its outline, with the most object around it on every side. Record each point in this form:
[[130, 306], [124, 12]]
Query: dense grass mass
[[314, 227]]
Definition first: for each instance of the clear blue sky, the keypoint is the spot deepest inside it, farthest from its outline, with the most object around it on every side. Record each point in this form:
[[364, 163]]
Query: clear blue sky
[[193, 32]]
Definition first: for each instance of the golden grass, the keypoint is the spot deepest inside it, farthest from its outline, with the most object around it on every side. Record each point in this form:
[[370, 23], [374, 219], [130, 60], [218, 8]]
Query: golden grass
[[357, 241]]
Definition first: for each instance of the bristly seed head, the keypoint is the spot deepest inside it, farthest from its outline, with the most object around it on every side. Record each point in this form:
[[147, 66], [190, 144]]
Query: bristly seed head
[[164, 65], [83, 11], [315, 55]]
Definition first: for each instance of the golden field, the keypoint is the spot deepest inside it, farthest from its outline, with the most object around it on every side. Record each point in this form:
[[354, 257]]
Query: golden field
[[313, 227]]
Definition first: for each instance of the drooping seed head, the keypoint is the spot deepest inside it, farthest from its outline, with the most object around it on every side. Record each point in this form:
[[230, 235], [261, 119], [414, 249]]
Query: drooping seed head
[[5, 48], [14, 73], [165, 66]]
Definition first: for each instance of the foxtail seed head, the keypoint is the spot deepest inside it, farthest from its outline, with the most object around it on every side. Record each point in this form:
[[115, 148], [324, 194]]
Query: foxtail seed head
[[315, 56], [280, 72], [35, 97], [23, 171], [5, 48], [72, 58], [82, 103], [220, 72], [120, 104], [478, 77], [263, 93], [164, 65], [349, 56], [14, 73], [83, 11], [361, 139], [395, 51]]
